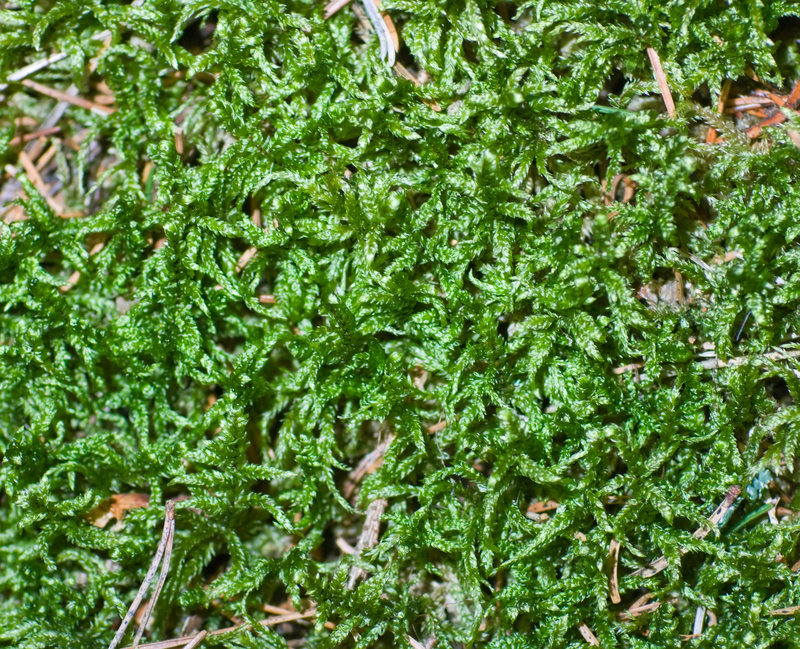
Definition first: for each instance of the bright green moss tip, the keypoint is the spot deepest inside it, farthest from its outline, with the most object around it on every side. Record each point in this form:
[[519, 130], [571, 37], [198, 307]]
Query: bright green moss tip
[[281, 281]]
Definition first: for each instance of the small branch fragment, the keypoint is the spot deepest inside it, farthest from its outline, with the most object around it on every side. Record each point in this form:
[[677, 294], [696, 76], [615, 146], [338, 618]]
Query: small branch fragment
[[785, 611], [36, 181], [661, 78], [63, 96], [661, 563], [588, 635], [15, 141], [198, 639], [368, 538], [369, 464], [613, 555]]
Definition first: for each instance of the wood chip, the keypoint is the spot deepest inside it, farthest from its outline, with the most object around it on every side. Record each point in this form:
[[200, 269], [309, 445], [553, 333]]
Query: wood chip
[[116, 507], [661, 78], [538, 507], [266, 299]]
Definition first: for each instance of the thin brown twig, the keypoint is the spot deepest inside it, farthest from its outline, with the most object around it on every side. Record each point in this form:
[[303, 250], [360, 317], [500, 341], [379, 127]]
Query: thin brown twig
[[19, 139], [368, 464], [368, 538], [661, 78], [36, 180], [63, 96], [588, 634], [197, 640], [661, 563], [613, 554]]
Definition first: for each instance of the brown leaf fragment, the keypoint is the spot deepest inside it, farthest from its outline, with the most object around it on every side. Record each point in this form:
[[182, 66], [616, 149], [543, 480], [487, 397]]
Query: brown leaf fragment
[[116, 507]]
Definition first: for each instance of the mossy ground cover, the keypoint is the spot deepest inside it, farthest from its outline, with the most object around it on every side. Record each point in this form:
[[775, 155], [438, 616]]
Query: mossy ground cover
[[263, 274]]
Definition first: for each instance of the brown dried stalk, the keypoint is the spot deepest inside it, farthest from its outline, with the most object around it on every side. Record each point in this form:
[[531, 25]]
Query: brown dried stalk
[[588, 635], [63, 96], [368, 538], [164, 545], [661, 563], [613, 555], [661, 78]]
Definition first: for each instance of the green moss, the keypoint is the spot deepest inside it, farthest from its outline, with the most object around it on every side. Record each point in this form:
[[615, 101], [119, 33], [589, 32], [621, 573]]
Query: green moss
[[472, 247]]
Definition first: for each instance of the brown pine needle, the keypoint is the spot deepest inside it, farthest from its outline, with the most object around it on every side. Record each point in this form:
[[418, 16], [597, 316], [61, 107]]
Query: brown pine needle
[[63, 96], [44, 160], [19, 139], [270, 621], [613, 554], [661, 78], [266, 299], [36, 180]]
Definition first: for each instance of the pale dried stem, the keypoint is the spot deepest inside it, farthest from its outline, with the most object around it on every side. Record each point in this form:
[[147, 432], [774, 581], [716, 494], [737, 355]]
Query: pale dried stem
[[661, 563], [613, 554], [63, 96], [588, 634], [151, 572], [33, 175], [368, 538], [661, 79]]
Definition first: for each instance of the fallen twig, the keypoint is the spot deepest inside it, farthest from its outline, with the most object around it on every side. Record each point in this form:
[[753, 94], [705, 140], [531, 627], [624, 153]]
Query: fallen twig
[[588, 635], [164, 550], [19, 139], [661, 563], [368, 538], [711, 136], [63, 96], [613, 555], [661, 78]]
